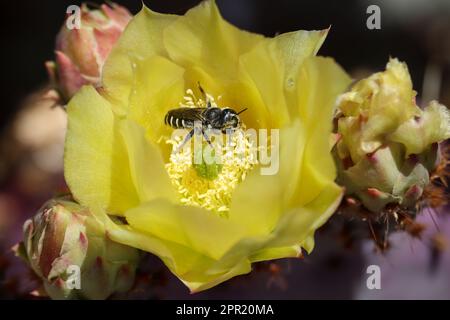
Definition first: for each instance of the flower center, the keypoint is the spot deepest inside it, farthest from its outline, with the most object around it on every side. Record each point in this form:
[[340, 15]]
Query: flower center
[[207, 176]]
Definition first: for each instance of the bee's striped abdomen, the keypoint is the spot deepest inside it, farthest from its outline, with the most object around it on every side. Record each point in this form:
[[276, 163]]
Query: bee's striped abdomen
[[182, 118], [166, 119], [174, 122]]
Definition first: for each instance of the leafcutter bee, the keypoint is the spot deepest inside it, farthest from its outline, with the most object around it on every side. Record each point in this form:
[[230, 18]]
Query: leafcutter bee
[[209, 118]]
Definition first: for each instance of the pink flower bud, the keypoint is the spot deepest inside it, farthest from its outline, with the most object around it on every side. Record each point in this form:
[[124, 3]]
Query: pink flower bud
[[80, 53], [64, 235]]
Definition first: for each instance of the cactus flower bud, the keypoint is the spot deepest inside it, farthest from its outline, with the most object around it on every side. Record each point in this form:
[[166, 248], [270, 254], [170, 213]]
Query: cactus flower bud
[[63, 241], [388, 145], [81, 52]]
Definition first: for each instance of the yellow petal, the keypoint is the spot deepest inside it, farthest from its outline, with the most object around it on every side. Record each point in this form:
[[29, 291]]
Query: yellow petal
[[293, 48], [194, 269], [158, 86], [96, 165], [208, 48], [320, 81], [276, 253], [203, 38], [193, 227], [146, 164], [141, 39], [242, 267], [270, 72], [257, 203], [298, 225], [181, 260], [259, 200], [264, 72]]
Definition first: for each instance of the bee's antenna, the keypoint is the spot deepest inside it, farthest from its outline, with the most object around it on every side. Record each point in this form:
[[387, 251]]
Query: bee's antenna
[[205, 96], [201, 89], [242, 111]]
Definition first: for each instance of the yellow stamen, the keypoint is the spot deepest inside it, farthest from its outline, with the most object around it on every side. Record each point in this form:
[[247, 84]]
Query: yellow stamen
[[238, 157]]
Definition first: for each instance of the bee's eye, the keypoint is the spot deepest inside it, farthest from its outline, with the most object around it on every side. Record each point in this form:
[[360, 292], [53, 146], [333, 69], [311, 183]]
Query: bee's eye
[[228, 114], [230, 117]]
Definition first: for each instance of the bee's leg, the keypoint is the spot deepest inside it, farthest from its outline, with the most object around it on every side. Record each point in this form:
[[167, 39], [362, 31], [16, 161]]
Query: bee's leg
[[227, 133], [207, 138], [186, 139], [205, 96]]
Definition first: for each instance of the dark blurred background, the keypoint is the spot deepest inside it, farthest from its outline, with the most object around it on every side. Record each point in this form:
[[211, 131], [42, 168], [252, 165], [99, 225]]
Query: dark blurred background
[[415, 31]]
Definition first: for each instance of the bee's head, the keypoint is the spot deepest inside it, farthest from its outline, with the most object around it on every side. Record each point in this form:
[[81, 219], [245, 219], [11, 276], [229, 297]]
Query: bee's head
[[229, 119], [222, 119]]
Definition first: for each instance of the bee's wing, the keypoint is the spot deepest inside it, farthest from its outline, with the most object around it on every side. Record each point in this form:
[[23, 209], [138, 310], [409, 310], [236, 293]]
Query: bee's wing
[[187, 114], [194, 114]]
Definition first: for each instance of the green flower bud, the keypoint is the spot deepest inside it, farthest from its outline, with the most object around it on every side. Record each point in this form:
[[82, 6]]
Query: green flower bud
[[388, 145]]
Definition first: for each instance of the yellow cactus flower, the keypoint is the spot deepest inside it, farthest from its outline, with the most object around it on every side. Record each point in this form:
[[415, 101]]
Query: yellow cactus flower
[[207, 223]]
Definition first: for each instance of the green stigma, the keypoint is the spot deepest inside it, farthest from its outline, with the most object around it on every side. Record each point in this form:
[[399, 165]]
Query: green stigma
[[209, 171]]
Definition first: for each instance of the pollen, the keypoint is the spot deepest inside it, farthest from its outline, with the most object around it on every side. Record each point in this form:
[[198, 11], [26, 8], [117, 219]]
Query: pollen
[[210, 185]]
